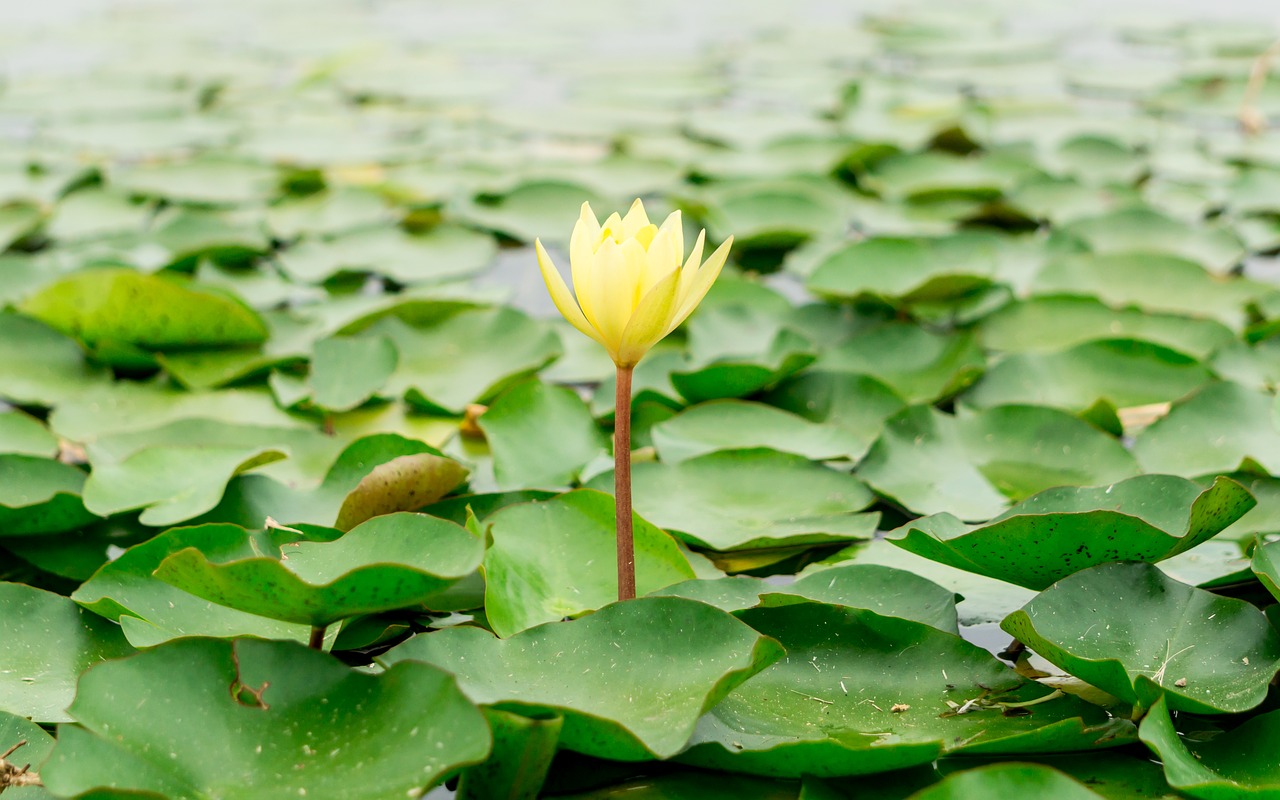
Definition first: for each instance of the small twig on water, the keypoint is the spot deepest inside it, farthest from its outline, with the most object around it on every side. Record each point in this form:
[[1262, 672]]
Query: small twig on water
[[11, 775]]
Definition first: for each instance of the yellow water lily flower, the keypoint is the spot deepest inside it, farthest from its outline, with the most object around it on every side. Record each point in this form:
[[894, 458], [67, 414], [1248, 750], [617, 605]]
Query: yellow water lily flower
[[632, 281]]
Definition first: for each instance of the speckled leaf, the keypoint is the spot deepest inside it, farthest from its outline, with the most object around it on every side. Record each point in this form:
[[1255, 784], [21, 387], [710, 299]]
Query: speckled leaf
[[643, 671], [469, 357], [405, 483], [117, 305], [860, 693], [389, 562], [554, 559], [749, 499], [1233, 765], [1061, 531], [292, 710], [1137, 634], [151, 611], [48, 642]]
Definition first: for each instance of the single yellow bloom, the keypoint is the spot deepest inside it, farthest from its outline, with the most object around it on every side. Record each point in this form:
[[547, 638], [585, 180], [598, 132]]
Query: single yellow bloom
[[632, 282]]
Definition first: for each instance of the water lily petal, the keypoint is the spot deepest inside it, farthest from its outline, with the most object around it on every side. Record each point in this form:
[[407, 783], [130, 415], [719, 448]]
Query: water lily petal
[[691, 266], [650, 321], [611, 294], [560, 293], [674, 224], [706, 276], [635, 220]]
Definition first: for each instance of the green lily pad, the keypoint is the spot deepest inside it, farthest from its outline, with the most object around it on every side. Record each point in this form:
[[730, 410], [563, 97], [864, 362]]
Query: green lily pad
[[1147, 230], [736, 350], [1123, 372], [917, 364], [469, 357], [347, 371], [1007, 780], [540, 436], [856, 404], [1047, 324], [1060, 531], [861, 693], [24, 435], [908, 271], [326, 213], [643, 671], [749, 499], [376, 474], [1266, 565], [1236, 764], [444, 253], [40, 496], [41, 367], [934, 176], [518, 764], [536, 209], [49, 641], [205, 181], [689, 785], [151, 611], [554, 559], [170, 484], [771, 213], [17, 221], [887, 591], [972, 465], [1151, 282], [292, 708], [736, 425], [1137, 634], [1216, 430], [388, 562], [94, 213], [148, 311]]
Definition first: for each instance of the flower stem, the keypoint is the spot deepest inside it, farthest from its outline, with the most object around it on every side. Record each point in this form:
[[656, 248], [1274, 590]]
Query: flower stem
[[622, 485]]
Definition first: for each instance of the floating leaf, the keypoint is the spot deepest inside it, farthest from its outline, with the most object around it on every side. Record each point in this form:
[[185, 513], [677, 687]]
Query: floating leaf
[[971, 465], [1146, 230], [151, 611], [1061, 531], [1048, 324], [1235, 764], [1218, 429], [25, 435], [38, 744], [292, 708], [908, 270], [1123, 372], [555, 559], [735, 425], [1137, 634], [347, 371], [517, 766], [534, 209], [444, 253], [750, 499], [149, 311], [644, 670], [48, 642], [860, 693], [1006, 780], [919, 365], [40, 496], [389, 562], [857, 404], [469, 357], [1266, 565], [170, 484], [540, 436], [212, 181], [39, 366], [887, 591]]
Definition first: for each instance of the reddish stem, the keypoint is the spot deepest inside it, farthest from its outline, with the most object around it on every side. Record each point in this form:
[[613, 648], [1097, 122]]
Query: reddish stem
[[622, 485]]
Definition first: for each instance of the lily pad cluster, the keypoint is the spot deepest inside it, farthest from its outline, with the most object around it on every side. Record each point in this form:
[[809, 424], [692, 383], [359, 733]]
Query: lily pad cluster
[[963, 481]]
